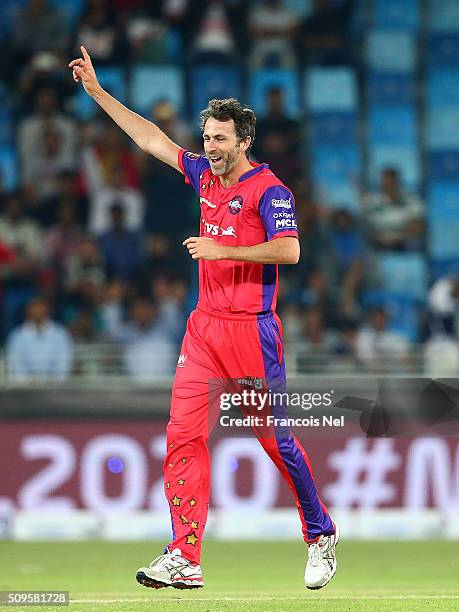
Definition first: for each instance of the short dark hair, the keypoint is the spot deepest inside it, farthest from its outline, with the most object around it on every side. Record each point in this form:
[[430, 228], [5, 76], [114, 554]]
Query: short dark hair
[[227, 109]]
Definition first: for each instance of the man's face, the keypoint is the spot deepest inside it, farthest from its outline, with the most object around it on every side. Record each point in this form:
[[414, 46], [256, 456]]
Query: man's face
[[37, 311], [221, 146]]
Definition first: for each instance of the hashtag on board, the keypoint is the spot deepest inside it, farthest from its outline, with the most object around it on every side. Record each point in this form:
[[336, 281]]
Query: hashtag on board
[[362, 468]]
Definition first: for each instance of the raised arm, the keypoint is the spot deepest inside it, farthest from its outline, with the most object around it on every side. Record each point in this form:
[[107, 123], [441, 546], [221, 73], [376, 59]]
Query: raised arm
[[144, 133]]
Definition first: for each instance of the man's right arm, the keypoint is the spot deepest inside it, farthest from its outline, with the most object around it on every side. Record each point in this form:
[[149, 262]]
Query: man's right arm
[[144, 133]]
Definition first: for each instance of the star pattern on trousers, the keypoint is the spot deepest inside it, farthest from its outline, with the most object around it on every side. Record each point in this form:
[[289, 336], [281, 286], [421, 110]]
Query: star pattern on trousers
[[171, 445], [183, 459], [192, 502], [181, 481], [168, 485], [171, 464], [176, 500], [184, 519], [194, 524], [191, 539]]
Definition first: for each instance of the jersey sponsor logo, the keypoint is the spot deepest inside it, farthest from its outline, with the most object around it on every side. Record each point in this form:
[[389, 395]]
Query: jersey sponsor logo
[[283, 215], [181, 360], [281, 203], [286, 224], [235, 206], [216, 230], [208, 202], [191, 155]]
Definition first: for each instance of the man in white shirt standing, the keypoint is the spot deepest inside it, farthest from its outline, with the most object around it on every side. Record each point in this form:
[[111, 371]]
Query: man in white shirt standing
[[39, 349]]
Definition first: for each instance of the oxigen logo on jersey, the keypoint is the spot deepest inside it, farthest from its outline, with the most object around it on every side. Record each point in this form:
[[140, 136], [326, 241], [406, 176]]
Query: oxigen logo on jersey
[[216, 230]]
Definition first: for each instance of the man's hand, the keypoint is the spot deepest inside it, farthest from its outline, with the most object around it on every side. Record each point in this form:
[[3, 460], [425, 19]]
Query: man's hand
[[204, 248], [83, 71]]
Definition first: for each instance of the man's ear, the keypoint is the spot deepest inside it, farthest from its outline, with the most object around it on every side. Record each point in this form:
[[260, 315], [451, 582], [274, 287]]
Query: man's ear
[[246, 143]]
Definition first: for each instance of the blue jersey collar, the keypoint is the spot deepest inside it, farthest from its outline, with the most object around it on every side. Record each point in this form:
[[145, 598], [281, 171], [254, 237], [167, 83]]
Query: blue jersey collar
[[255, 170]]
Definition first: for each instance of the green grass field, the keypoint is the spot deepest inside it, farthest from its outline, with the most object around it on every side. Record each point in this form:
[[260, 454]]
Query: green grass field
[[240, 576]]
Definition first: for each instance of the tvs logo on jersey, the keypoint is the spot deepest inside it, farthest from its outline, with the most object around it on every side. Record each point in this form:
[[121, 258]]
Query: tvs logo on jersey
[[235, 206], [281, 203], [216, 230]]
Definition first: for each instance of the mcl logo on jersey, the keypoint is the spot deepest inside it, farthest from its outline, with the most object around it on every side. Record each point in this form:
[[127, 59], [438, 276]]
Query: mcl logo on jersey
[[286, 224]]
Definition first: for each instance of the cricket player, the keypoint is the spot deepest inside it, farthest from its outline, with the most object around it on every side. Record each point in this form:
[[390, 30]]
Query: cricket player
[[247, 228]]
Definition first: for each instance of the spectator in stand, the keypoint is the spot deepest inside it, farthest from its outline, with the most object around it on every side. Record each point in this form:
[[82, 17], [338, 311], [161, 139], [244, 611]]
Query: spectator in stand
[[83, 278], [272, 27], [102, 33], [40, 349], [160, 182], [38, 26], [443, 302], [276, 121], [378, 348], [68, 195], [63, 239], [324, 34], [317, 292], [41, 174], [46, 118], [168, 293], [348, 249], [121, 248], [317, 342], [394, 218]]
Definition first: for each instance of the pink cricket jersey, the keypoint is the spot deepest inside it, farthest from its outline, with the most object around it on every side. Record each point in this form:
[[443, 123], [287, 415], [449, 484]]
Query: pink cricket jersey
[[256, 209]]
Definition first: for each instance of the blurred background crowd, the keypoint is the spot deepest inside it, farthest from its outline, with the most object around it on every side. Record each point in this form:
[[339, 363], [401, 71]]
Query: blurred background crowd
[[357, 106]]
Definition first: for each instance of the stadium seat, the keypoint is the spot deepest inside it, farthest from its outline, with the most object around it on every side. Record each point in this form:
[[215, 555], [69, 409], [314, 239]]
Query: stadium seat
[[442, 50], [443, 87], [389, 89], [442, 128], [340, 194], [403, 311], [213, 82], [334, 164], [262, 80], [8, 168], [333, 128], [443, 166], [152, 83], [330, 89], [396, 14], [406, 159], [404, 274], [443, 15], [443, 218], [392, 125], [112, 79], [71, 9], [8, 9], [390, 51], [301, 8]]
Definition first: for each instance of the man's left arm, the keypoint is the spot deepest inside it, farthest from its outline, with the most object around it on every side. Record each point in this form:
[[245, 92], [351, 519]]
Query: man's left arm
[[283, 250]]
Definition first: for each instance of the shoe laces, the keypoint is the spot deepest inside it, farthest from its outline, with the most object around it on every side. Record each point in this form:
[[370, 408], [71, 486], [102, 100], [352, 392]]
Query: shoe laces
[[160, 561], [314, 554]]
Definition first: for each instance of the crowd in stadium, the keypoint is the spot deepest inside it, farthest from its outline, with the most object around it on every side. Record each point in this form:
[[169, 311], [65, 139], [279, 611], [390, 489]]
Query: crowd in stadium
[[91, 228]]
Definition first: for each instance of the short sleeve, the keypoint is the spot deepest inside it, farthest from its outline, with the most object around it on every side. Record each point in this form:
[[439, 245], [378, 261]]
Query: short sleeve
[[192, 166], [277, 211]]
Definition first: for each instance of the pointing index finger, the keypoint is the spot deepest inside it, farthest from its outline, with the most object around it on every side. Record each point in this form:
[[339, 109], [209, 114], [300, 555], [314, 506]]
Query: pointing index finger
[[85, 54]]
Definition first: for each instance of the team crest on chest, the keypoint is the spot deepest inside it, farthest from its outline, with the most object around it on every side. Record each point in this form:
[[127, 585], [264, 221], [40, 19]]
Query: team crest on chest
[[235, 205]]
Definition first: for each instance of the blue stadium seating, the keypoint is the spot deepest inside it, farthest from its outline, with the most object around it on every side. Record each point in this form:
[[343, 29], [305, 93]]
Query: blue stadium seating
[[404, 274], [340, 194], [444, 166], [392, 125], [8, 9], [262, 80], [443, 87], [6, 126], [442, 50], [406, 159], [152, 83], [403, 311], [442, 128], [213, 82], [299, 7], [333, 128], [112, 79], [398, 14], [443, 15], [443, 218], [335, 164], [390, 89], [330, 89], [390, 51], [71, 9], [8, 167]]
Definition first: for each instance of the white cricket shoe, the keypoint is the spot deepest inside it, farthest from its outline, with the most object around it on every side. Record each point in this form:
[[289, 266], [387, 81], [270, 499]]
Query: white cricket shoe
[[321, 565], [171, 569]]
